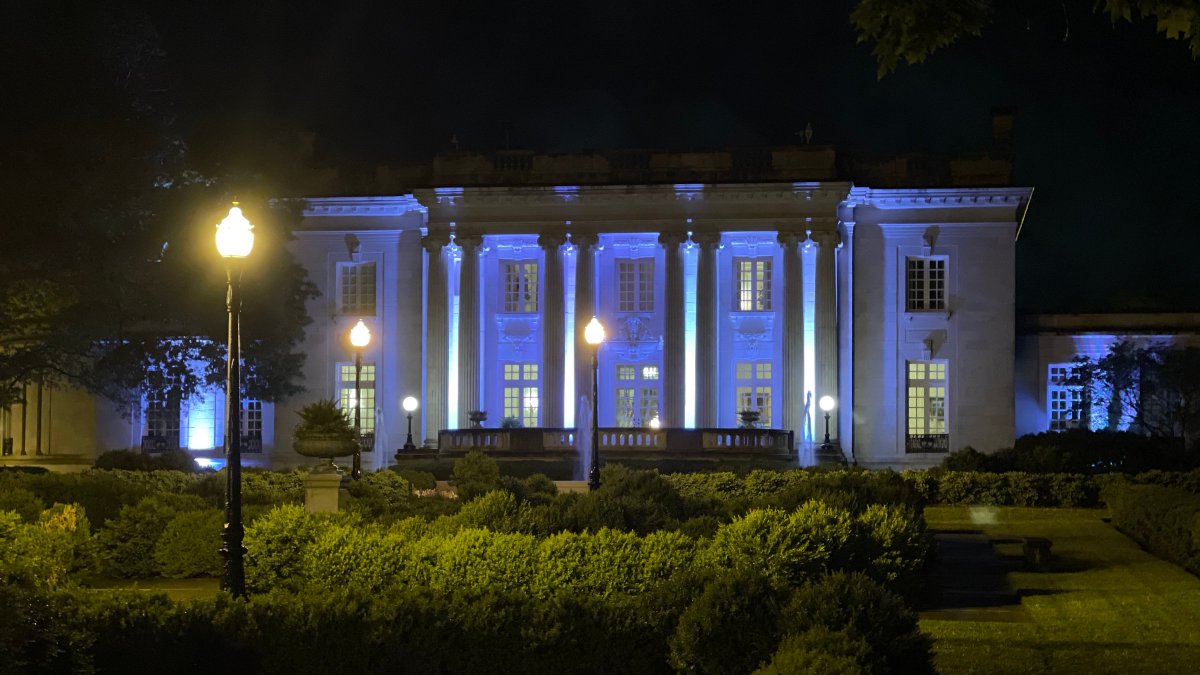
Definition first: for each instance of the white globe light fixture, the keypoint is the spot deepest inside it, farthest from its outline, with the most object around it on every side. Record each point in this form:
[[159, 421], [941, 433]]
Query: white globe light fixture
[[594, 332], [655, 423], [410, 405], [360, 335], [827, 403], [235, 234]]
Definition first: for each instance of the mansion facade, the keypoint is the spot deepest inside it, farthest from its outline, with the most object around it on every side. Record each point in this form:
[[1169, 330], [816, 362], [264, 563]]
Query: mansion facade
[[752, 291]]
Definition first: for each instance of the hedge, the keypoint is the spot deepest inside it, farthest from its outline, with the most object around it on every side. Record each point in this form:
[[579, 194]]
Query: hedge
[[1164, 520]]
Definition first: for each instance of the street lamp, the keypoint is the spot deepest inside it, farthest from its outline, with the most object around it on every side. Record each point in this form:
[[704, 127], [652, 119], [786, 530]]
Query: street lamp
[[410, 406], [235, 239], [593, 334], [827, 404], [360, 336], [655, 423]]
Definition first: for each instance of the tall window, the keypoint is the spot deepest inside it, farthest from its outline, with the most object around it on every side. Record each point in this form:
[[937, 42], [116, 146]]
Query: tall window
[[162, 413], [636, 395], [753, 389], [357, 284], [520, 286], [1065, 401], [252, 418], [635, 285], [753, 284], [925, 284], [926, 404], [521, 392], [366, 406]]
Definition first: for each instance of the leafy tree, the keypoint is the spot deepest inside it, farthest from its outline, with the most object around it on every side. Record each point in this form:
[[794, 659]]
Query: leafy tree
[[1152, 389], [109, 277], [911, 30]]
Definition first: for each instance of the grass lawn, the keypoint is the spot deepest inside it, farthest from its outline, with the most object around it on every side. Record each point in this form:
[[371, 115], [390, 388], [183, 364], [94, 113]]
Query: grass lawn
[[177, 589], [1103, 606]]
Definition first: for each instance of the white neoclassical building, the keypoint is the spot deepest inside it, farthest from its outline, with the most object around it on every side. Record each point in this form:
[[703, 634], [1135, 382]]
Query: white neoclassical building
[[727, 283]]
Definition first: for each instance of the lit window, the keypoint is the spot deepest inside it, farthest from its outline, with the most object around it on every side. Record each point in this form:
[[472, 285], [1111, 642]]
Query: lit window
[[521, 399], [356, 282], [346, 397], [252, 418], [926, 406], [520, 286], [753, 389], [161, 417], [925, 284], [635, 285], [637, 398], [1064, 400], [753, 284]]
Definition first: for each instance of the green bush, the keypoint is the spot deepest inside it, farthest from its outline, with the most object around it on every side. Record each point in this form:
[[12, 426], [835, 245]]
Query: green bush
[[786, 548], [819, 651], [275, 545], [850, 602], [419, 480], [474, 475], [189, 545], [729, 629], [126, 460], [379, 493], [265, 488], [1162, 519], [21, 501], [897, 547], [48, 553], [128, 542]]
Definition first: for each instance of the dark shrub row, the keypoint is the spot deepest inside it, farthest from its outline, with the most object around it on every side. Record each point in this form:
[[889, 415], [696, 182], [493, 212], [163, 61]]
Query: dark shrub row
[[732, 625], [1164, 520], [1005, 489], [1080, 451]]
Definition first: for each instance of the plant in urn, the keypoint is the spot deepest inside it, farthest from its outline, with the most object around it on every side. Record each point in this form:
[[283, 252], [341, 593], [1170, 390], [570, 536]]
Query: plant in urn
[[325, 432]]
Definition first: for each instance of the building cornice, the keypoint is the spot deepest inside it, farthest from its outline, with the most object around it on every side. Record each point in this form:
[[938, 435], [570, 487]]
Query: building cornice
[[397, 205], [1132, 323], [619, 194], [937, 198]]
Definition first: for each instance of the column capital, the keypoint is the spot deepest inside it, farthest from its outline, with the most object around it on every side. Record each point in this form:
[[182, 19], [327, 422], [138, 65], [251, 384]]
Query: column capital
[[551, 240], [584, 239], [672, 239], [789, 239], [824, 238], [434, 241], [707, 241], [466, 240]]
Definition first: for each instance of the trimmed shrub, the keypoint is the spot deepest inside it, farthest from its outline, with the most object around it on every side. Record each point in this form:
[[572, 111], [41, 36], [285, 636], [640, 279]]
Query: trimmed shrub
[[379, 493], [785, 548], [729, 628], [126, 460], [475, 474], [189, 545], [22, 502], [1164, 520], [819, 651], [47, 553], [850, 602], [419, 480], [275, 544], [128, 542], [896, 548]]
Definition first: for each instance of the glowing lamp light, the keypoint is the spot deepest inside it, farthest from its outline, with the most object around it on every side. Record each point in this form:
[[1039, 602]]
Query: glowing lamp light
[[655, 423], [410, 404], [593, 334], [360, 335], [827, 403], [235, 235]]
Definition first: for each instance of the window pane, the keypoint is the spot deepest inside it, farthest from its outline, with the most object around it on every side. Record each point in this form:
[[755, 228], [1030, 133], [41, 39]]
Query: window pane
[[743, 370], [649, 372], [763, 370], [530, 407], [625, 372], [512, 287], [529, 288], [624, 407], [646, 285]]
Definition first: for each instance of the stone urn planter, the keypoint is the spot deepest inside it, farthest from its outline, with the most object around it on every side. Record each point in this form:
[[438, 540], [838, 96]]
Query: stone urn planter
[[324, 433], [750, 418], [477, 417]]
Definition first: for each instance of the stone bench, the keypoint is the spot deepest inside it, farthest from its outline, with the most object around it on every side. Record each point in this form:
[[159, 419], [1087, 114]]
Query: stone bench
[[1037, 552]]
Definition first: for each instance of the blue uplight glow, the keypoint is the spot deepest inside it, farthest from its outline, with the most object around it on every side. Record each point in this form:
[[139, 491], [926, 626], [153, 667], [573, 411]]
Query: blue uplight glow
[[214, 464]]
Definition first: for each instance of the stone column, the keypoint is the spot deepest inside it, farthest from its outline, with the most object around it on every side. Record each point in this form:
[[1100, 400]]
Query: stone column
[[469, 366], [707, 375], [585, 309], [674, 361], [825, 325], [437, 339], [553, 339], [792, 362]]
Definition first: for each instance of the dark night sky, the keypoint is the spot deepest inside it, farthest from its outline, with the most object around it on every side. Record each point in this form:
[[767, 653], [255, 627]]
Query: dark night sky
[[1107, 118]]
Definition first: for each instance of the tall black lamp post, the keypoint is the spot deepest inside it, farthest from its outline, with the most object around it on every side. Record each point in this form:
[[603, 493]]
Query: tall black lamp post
[[235, 240], [360, 337], [593, 334], [410, 406]]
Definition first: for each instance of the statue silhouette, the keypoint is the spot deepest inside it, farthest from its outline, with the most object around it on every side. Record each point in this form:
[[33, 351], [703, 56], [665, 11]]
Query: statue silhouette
[[806, 433]]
